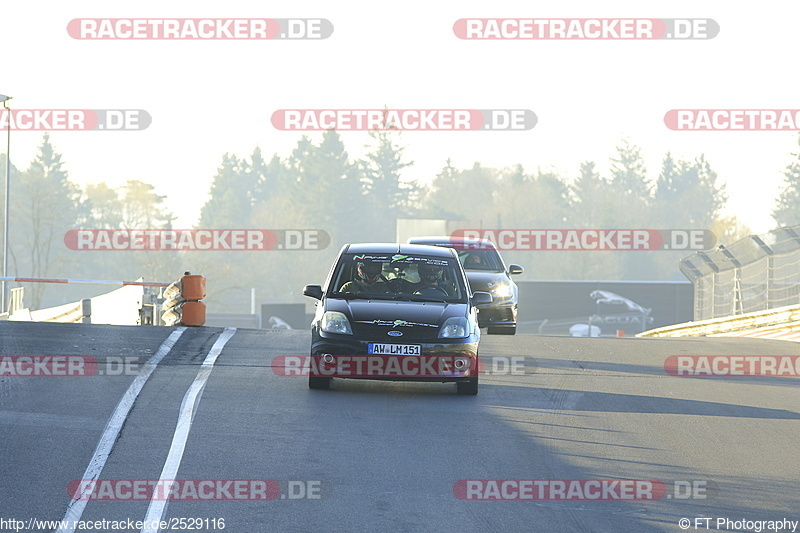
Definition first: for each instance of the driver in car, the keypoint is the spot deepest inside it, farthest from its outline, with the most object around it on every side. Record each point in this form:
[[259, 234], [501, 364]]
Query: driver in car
[[431, 281], [473, 261], [369, 279]]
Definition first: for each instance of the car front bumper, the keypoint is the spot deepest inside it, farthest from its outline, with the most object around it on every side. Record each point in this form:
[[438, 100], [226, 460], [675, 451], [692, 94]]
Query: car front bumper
[[338, 356], [502, 314]]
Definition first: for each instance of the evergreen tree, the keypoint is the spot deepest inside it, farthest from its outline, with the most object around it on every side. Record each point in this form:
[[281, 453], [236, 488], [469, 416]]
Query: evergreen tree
[[687, 195], [45, 205], [387, 197], [628, 172], [462, 195], [630, 188], [592, 198], [232, 195], [104, 209], [332, 188]]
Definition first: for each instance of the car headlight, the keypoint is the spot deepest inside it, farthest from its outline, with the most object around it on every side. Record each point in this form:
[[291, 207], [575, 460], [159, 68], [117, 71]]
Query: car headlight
[[501, 290], [335, 322], [455, 327]]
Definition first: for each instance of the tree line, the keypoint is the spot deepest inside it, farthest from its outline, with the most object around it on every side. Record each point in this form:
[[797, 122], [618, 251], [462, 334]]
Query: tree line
[[319, 186]]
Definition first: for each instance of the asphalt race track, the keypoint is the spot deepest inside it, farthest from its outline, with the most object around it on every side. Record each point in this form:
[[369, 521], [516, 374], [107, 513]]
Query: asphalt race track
[[395, 456]]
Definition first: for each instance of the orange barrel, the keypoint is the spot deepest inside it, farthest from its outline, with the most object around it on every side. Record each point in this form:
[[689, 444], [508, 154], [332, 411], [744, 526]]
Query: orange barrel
[[193, 313], [194, 287]]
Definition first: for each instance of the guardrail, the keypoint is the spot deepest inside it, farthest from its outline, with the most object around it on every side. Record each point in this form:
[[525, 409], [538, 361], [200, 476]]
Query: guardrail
[[783, 318], [131, 304]]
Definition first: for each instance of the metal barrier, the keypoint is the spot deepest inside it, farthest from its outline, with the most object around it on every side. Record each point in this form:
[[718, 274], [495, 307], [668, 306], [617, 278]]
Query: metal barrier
[[15, 301], [757, 273], [135, 303], [782, 318]]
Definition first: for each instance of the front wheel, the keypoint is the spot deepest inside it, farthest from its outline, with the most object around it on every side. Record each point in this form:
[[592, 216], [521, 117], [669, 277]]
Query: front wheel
[[315, 382], [467, 388]]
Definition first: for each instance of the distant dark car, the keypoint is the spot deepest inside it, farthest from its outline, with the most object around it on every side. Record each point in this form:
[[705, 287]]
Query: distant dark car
[[486, 272], [396, 312]]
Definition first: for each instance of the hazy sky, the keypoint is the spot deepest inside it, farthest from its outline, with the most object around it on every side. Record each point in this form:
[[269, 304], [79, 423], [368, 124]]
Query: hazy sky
[[211, 97]]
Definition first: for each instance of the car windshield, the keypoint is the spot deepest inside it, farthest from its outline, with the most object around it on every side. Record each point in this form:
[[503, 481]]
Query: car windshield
[[398, 277], [480, 260], [473, 256]]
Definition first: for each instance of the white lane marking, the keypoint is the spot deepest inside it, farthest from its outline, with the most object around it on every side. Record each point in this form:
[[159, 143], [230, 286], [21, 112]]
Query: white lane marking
[[111, 432], [157, 508]]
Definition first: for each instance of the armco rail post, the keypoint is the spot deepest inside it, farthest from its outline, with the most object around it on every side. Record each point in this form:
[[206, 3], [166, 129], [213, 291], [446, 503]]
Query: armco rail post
[[182, 304]]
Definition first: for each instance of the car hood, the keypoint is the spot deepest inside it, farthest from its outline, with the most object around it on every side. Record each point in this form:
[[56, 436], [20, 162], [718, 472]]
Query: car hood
[[480, 280], [433, 313], [416, 320]]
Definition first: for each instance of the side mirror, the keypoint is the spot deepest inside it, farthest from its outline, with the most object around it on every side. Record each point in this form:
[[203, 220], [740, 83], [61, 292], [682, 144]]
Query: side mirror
[[515, 269], [481, 298], [314, 291]]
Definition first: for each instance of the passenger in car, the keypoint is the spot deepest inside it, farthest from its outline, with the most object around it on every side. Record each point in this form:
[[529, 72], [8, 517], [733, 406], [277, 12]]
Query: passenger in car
[[432, 281]]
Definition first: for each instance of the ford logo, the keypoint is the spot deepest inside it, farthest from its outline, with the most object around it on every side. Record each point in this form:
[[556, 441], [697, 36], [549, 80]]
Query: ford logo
[[395, 333]]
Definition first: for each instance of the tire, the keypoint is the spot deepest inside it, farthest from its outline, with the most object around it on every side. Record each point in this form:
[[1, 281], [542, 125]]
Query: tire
[[502, 330], [467, 388], [315, 382]]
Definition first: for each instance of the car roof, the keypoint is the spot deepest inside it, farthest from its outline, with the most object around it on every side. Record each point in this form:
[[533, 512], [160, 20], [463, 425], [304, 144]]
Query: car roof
[[395, 248], [454, 242]]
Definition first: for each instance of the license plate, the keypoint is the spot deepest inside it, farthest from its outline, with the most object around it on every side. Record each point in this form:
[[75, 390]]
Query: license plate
[[393, 349]]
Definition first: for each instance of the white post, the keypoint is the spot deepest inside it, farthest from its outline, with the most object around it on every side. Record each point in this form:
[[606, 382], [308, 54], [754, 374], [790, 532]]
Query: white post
[[5, 100]]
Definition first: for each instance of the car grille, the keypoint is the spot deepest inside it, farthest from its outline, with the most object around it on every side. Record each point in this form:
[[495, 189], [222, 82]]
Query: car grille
[[381, 333]]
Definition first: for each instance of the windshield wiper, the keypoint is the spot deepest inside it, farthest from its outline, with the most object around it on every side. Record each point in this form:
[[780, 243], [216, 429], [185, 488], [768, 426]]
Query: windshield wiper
[[426, 299]]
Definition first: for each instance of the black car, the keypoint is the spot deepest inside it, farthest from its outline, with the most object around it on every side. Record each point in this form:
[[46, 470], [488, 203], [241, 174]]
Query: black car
[[486, 272], [395, 312]]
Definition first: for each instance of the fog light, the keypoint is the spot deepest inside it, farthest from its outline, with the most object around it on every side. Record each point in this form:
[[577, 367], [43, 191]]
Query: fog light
[[461, 364], [328, 358]]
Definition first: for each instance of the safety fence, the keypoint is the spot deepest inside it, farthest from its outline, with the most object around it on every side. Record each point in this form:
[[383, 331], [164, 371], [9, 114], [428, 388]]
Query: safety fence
[[756, 273]]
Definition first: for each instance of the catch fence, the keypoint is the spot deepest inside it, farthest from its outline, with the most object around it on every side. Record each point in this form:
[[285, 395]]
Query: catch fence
[[756, 273]]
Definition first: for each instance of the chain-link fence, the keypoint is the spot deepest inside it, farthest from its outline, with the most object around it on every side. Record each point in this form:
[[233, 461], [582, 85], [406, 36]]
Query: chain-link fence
[[756, 273]]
